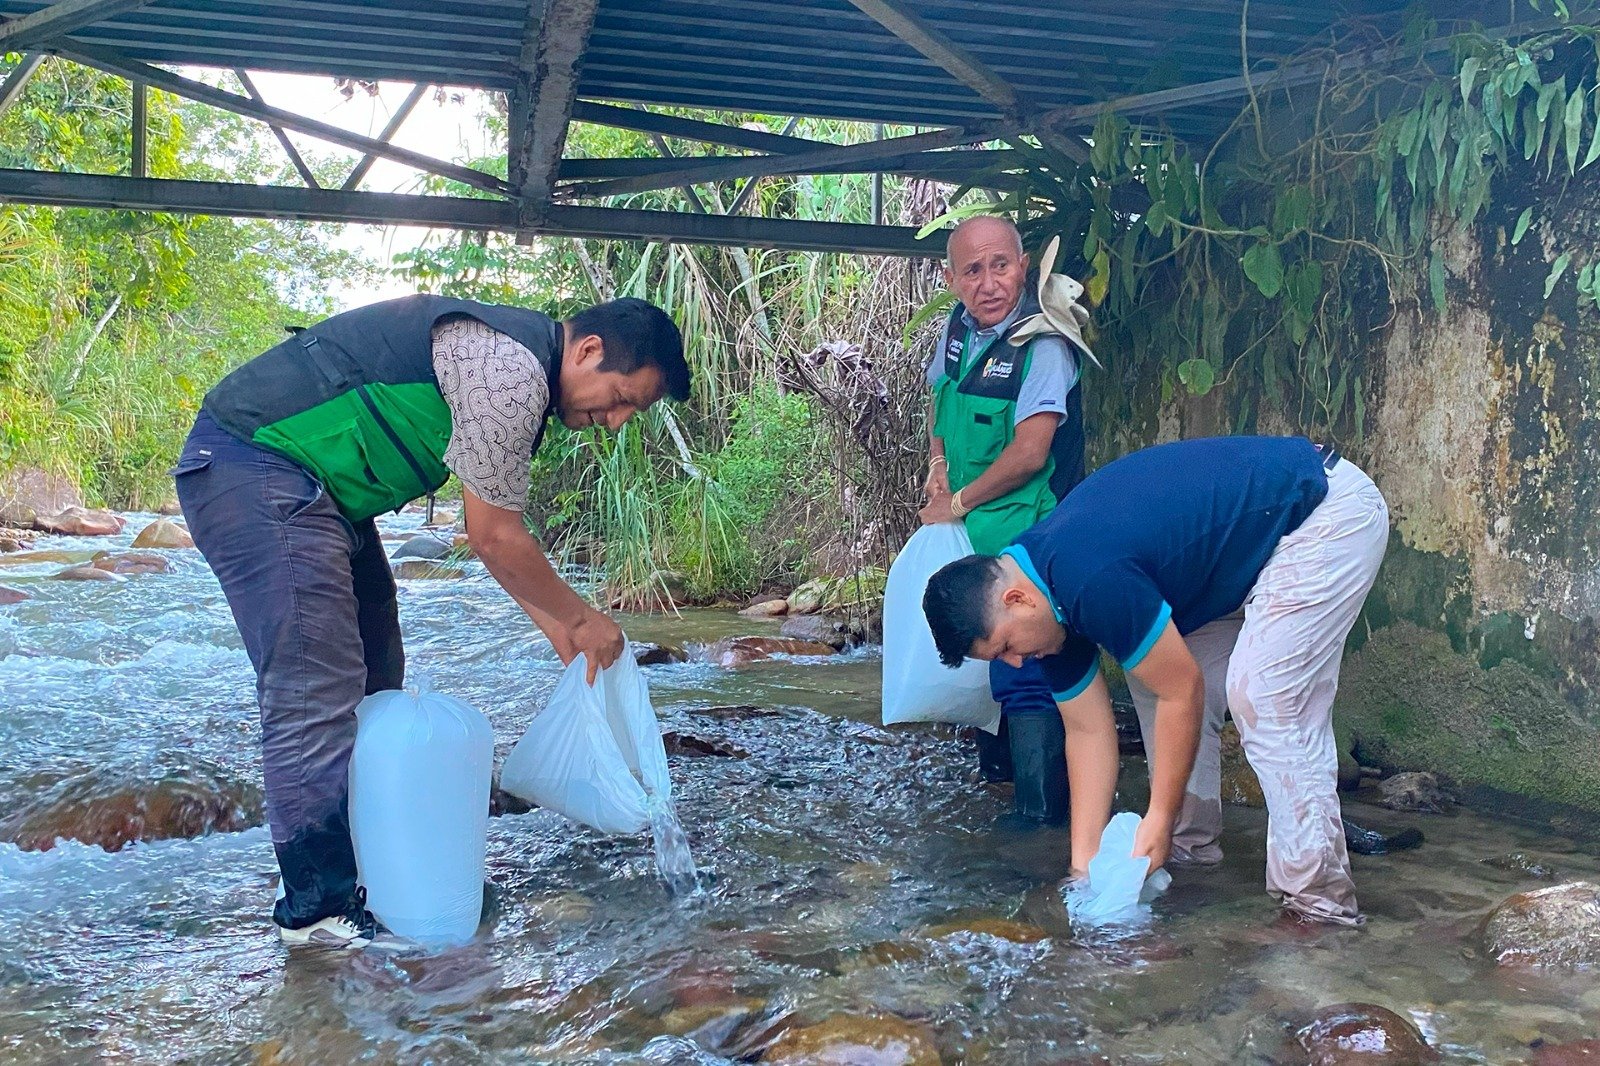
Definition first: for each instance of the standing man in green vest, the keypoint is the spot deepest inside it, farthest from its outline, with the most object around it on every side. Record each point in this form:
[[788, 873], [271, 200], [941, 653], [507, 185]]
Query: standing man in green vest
[[297, 451], [1005, 445]]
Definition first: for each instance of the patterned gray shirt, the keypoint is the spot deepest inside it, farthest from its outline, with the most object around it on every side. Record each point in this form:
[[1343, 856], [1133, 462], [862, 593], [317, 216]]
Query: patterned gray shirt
[[497, 391]]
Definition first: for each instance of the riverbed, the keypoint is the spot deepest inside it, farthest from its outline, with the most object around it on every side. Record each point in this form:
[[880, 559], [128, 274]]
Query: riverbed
[[849, 870]]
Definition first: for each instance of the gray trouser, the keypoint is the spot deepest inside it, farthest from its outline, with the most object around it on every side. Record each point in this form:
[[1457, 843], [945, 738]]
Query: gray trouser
[[1275, 665], [314, 600]]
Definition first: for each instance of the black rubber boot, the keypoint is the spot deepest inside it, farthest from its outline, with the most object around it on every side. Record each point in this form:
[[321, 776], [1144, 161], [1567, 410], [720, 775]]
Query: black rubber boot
[[1039, 767], [994, 753]]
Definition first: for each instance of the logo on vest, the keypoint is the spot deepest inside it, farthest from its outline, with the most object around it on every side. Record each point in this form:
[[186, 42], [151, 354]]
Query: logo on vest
[[999, 369]]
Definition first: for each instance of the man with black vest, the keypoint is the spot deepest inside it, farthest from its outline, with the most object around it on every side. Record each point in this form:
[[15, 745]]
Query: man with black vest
[[1005, 445], [296, 452]]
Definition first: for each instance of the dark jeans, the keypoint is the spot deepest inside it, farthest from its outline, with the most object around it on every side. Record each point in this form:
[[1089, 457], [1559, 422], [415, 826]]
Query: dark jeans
[[314, 600], [1030, 748]]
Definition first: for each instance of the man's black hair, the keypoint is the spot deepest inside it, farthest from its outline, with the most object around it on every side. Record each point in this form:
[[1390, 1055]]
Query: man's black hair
[[634, 335], [958, 605]]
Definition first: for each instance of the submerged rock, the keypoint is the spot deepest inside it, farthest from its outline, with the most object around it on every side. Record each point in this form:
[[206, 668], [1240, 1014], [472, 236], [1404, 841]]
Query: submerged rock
[[659, 654], [171, 508], [1575, 1053], [427, 570], [1518, 863], [13, 544], [130, 563], [687, 744], [80, 522], [31, 558], [820, 628], [737, 651], [767, 609], [1354, 1034], [106, 808], [856, 1040], [163, 533], [999, 928], [86, 572], [1363, 841], [1240, 786], [10, 595], [422, 546], [1416, 791], [1555, 926]]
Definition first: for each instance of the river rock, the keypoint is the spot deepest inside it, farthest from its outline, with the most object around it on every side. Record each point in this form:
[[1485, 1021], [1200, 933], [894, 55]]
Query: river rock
[[113, 808], [1240, 786], [461, 544], [688, 744], [171, 509], [767, 609], [130, 563], [820, 628], [1576, 1053], [427, 570], [28, 492], [1555, 926], [80, 522], [13, 544], [86, 572], [855, 1040], [658, 654], [838, 593], [999, 928], [52, 555], [1416, 791], [422, 546], [10, 595], [1356, 1034], [1518, 863], [163, 533], [737, 651]]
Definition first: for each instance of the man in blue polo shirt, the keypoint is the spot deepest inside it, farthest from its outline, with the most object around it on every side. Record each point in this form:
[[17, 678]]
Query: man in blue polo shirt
[[1222, 574]]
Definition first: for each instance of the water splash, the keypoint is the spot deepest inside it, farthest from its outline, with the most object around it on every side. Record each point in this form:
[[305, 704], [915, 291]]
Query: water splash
[[673, 860]]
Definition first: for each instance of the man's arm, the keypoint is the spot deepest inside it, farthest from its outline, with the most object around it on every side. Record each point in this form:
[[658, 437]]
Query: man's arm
[[938, 483], [1169, 671], [518, 563], [1092, 764], [1024, 457]]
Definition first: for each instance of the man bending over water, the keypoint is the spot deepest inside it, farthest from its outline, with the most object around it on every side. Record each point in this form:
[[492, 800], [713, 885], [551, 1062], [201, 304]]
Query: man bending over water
[[1222, 574]]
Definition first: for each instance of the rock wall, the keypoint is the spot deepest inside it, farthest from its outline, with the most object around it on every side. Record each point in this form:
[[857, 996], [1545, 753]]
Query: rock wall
[[1478, 655]]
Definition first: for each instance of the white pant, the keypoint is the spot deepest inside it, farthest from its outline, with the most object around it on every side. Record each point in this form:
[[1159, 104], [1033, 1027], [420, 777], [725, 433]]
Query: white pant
[[1275, 665]]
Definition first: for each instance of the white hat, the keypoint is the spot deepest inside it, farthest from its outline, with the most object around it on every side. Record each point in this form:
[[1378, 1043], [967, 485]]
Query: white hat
[[1060, 314]]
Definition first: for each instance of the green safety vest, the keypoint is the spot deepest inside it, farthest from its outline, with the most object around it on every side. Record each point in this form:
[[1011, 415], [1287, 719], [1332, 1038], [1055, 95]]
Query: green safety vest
[[354, 399], [975, 406]]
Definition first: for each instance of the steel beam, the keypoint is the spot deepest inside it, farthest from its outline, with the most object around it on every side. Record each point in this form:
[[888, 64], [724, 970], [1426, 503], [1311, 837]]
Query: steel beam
[[19, 35], [396, 120], [454, 212], [689, 129], [953, 166], [277, 131], [547, 85], [140, 164], [115, 63], [18, 80], [941, 50]]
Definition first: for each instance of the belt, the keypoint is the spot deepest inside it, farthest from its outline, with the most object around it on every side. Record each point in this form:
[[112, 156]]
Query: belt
[[1330, 456]]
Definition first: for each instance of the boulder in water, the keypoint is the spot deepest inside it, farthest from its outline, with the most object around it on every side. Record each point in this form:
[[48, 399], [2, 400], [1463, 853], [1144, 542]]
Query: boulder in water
[[1575, 1053], [1555, 926], [80, 522], [688, 744], [13, 544], [27, 492], [114, 807], [1518, 863], [130, 563], [838, 593], [659, 654], [422, 546], [53, 555], [463, 546], [1416, 791], [999, 928], [1354, 1034], [819, 628], [10, 595], [737, 651], [1240, 786], [163, 533], [855, 1040], [171, 509], [774, 608], [427, 569], [86, 572]]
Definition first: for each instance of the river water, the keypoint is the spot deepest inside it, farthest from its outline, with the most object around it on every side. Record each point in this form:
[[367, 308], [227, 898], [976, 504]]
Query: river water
[[848, 869]]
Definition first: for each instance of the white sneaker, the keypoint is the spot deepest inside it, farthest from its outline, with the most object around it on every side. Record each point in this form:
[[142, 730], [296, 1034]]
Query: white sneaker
[[337, 932]]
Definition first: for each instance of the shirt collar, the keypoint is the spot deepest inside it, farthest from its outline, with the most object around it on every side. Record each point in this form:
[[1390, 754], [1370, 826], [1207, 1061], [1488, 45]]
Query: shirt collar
[[1020, 556], [994, 330]]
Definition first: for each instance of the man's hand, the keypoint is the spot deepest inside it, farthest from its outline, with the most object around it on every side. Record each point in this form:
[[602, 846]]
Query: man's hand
[[1153, 838], [938, 483], [938, 510], [598, 639]]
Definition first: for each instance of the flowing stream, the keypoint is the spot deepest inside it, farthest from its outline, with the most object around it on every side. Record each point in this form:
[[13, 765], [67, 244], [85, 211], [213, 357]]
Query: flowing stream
[[844, 868]]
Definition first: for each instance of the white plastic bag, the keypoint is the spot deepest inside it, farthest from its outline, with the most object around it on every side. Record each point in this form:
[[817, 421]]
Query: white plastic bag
[[594, 754], [917, 687], [1116, 892], [419, 812]]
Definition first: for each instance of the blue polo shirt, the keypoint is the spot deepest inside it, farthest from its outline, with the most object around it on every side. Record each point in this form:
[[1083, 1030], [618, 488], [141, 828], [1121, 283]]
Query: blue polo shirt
[[1179, 531]]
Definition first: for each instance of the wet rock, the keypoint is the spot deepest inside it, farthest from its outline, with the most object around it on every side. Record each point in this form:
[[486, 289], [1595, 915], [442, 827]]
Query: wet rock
[[864, 588], [819, 628], [171, 509], [1576, 1053], [1355, 1034], [442, 519], [129, 563], [659, 654], [767, 609], [737, 651], [427, 570], [1416, 791], [1240, 785], [86, 572], [1518, 863], [80, 522], [687, 744], [461, 544], [1349, 772], [422, 546], [27, 492], [503, 802], [10, 595], [13, 544], [855, 1040], [883, 953], [866, 875], [52, 555], [1363, 841], [711, 1025], [738, 711], [563, 908], [999, 928], [114, 807], [163, 533], [1555, 926]]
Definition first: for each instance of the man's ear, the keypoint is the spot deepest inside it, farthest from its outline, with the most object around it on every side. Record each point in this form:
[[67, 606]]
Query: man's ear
[[587, 351], [1015, 596], [1026, 262], [949, 278]]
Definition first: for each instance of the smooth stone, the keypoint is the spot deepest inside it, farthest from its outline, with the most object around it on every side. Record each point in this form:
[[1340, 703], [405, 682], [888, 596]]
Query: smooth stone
[[819, 628], [422, 546], [427, 570], [80, 522], [689, 745], [1575, 1053], [648, 654], [163, 533], [1417, 791], [10, 595], [999, 928], [130, 563], [86, 572], [1557, 926], [1355, 1034], [1518, 863], [855, 1040], [767, 609], [1240, 786], [737, 651]]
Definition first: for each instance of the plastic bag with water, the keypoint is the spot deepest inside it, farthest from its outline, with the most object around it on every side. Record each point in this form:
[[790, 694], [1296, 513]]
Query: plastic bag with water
[[595, 755], [1116, 892], [917, 687], [419, 812]]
